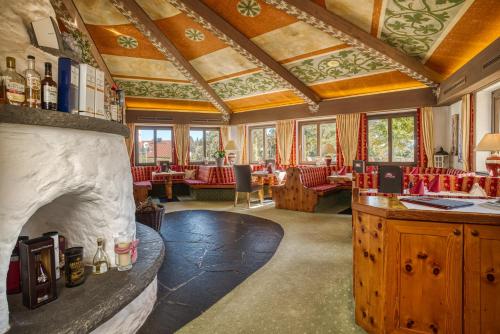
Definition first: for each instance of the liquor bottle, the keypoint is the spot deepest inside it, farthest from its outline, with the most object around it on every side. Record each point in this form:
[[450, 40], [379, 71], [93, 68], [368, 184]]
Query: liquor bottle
[[33, 85], [49, 89], [43, 289], [100, 262], [14, 84]]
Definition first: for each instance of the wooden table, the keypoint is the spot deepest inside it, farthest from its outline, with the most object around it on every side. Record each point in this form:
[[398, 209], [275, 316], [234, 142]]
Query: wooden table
[[425, 270], [261, 177], [168, 180], [340, 178]]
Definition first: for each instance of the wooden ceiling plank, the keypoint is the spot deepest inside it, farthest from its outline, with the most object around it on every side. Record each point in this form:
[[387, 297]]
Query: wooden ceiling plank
[[208, 19], [142, 22], [75, 15], [338, 27]]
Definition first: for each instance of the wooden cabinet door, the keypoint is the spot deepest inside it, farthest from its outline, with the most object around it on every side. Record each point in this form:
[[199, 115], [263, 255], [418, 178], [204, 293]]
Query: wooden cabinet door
[[368, 240], [482, 279], [424, 277]]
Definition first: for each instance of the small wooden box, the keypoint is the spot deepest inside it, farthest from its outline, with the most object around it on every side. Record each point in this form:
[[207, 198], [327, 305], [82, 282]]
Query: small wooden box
[[28, 251]]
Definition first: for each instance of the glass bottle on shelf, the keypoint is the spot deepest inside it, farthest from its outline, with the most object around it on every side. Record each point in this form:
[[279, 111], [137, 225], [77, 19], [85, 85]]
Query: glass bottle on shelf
[[14, 84], [49, 90], [100, 264], [43, 289], [33, 85]]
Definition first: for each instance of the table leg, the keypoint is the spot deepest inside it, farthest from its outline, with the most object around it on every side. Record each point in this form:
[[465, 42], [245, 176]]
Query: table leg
[[270, 189], [168, 187]]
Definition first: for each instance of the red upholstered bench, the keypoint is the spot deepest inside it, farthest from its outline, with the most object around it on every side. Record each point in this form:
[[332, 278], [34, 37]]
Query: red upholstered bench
[[212, 177]]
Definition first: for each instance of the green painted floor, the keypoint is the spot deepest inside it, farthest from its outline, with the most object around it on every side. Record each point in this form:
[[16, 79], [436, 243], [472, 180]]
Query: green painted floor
[[304, 288]]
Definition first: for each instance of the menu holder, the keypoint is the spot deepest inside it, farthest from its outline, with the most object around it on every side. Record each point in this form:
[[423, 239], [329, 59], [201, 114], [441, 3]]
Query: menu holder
[[390, 180], [358, 166]]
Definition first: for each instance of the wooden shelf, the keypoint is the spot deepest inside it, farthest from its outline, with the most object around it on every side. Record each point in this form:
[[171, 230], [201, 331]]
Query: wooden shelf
[[30, 116]]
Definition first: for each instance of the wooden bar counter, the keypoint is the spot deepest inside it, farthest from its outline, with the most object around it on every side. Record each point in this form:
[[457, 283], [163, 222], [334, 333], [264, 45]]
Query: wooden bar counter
[[424, 271]]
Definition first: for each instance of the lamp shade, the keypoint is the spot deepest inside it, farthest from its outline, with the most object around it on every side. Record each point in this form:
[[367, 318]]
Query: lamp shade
[[328, 149], [231, 146], [490, 142]]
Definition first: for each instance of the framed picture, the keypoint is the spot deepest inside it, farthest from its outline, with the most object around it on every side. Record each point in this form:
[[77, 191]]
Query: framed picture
[[455, 124]]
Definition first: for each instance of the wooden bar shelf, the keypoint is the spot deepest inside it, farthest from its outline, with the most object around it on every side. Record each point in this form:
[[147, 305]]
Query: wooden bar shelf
[[30, 116]]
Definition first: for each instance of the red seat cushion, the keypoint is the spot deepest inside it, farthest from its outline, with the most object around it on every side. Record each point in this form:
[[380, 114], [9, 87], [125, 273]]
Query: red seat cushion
[[141, 184], [324, 188], [192, 182]]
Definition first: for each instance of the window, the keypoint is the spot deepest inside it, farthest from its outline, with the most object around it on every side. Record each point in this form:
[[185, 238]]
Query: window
[[203, 143], [262, 143], [152, 145], [391, 139], [317, 139]]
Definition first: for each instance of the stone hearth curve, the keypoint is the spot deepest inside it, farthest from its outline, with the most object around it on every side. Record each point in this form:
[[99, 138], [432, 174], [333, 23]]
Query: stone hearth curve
[[73, 181]]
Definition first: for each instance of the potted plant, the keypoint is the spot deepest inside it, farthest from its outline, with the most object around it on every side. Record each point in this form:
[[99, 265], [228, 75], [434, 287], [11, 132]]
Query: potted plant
[[219, 157]]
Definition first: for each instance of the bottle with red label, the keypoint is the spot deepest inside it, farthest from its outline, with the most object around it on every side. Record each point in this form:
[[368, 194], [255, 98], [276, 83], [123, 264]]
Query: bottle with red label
[[13, 84], [49, 90]]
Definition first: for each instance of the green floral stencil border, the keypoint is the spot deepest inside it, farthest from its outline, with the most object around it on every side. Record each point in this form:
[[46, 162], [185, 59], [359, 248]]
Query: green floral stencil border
[[160, 90], [413, 26], [340, 64]]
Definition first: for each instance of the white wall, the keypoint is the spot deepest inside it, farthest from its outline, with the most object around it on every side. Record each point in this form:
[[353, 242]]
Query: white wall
[[454, 110], [442, 128], [483, 125]]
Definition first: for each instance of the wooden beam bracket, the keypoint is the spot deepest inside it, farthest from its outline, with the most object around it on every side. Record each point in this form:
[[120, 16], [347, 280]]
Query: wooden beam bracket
[[208, 19], [345, 31], [142, 22]]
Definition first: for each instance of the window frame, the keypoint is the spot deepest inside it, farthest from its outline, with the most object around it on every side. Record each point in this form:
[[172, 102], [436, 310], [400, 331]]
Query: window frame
[[389, 118], [155, 129], [263, 128], [318, 138], [204, 129]]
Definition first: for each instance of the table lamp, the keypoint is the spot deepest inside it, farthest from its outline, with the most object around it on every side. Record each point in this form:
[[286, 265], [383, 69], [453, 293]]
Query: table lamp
[[328, 150], [491, 143], [231, 147]]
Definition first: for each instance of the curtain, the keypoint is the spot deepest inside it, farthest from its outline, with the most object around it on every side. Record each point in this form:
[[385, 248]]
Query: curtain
[[284, 137], [363, 138], [348, 135], [130, 142], [467, 126], [181, 136], [224, 136], [428, 134], [241, 131]]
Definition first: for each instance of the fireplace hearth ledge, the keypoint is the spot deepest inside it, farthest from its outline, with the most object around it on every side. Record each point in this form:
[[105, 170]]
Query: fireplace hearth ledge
[[115, 302]]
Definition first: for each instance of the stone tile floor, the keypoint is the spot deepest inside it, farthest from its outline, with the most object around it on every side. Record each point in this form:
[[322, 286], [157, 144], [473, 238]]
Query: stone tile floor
[[207, 254]]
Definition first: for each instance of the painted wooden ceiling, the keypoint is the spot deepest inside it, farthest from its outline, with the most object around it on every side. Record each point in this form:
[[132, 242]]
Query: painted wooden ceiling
[[443, 34]]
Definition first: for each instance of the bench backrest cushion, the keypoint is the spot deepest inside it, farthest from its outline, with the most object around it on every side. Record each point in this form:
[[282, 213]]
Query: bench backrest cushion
[[490, 184], [216, 175], [313, 176], [143, 173]]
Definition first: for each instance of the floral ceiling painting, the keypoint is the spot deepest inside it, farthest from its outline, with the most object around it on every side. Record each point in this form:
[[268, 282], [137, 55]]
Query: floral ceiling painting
[[424, 29]]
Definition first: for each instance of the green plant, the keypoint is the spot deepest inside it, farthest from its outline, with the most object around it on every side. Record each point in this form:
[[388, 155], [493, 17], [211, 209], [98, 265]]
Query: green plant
[[220, 154]]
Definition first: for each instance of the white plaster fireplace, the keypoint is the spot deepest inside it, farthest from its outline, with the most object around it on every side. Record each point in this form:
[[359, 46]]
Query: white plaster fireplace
[[72, 181]]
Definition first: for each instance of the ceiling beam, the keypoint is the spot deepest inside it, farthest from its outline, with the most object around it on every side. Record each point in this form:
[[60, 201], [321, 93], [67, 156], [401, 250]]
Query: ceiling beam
[[71, 10], [142, 22], [208, 19], [345, 31]]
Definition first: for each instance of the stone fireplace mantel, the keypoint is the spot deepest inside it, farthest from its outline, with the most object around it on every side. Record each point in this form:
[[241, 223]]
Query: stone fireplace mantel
[[72, 177]]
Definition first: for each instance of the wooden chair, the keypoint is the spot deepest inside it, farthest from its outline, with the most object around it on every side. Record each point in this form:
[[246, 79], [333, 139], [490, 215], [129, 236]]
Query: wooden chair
[[243, 178]]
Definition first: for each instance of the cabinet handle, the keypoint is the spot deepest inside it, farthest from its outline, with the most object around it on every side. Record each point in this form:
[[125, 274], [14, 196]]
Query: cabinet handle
[[422, 255], [410, 323], [408, 268], [474, 233], [436, 271], [490, 277], [433, 328], [456, 232], [379, 226]]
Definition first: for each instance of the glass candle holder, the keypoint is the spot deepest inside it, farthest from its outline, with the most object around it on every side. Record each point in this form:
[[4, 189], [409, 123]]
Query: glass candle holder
[[123, 251]]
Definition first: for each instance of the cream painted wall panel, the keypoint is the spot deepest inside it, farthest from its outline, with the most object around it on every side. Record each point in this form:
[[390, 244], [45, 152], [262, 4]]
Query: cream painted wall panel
[[141, 67], [99, 12], [357, 12], [483, 125], [294, 40], [158, 9], [442, 128], [210, 65]]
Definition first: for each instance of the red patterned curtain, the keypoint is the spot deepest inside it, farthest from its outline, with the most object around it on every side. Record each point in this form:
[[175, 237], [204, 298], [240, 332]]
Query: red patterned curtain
[[174, 152], [340, 157], [363, 138], [472, 126]]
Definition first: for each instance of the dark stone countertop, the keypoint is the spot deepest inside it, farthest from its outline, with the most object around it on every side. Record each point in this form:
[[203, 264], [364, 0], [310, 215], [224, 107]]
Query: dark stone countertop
[[30, 116], [82, 309]]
